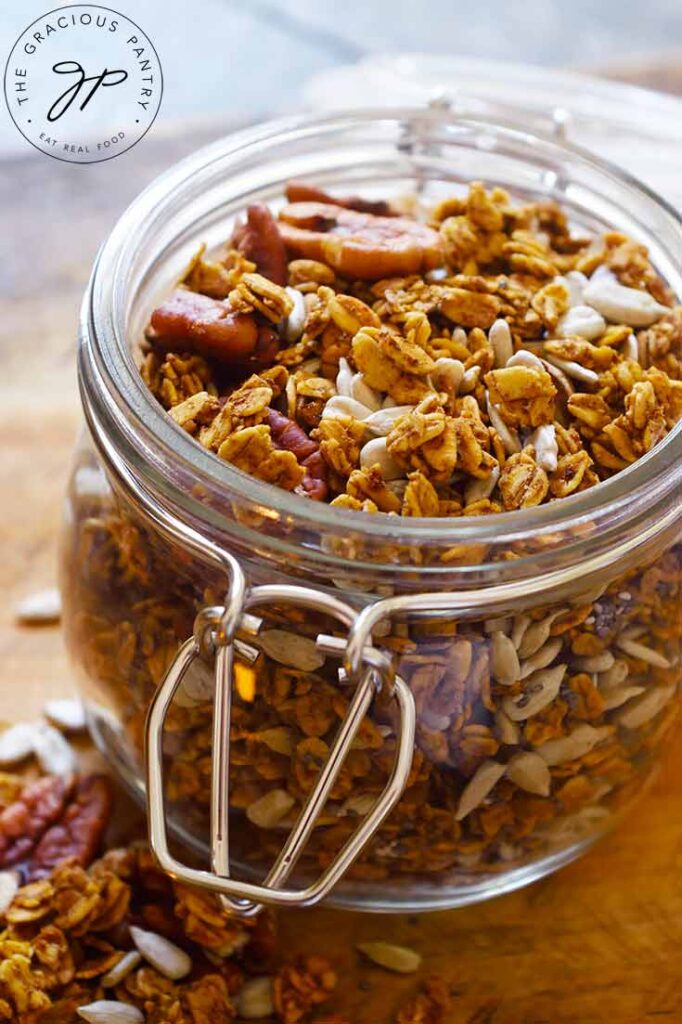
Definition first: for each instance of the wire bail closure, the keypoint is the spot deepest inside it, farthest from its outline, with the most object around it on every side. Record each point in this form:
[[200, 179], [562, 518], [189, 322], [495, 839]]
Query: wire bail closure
[[221, 632]]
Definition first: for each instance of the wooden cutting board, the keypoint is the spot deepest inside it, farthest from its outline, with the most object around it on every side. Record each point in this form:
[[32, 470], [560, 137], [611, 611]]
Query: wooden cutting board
[[601, 941]]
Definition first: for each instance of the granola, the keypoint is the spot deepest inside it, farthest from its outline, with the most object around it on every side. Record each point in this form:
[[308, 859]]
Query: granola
[[492, 314]]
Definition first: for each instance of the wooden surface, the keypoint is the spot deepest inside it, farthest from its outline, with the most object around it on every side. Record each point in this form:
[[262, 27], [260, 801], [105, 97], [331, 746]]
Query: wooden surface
[[601, 941]]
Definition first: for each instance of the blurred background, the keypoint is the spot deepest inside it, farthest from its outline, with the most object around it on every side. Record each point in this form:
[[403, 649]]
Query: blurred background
[[249, 59]]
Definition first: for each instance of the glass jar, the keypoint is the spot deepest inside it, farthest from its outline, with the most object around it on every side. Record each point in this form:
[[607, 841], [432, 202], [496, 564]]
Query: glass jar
[[422, 712]]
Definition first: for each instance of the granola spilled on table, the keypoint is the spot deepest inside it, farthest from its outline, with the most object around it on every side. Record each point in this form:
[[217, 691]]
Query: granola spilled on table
[[484, 360], [111, 939]]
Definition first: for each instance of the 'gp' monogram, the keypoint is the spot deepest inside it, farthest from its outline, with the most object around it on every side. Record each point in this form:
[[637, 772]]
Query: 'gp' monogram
[[72, 67]]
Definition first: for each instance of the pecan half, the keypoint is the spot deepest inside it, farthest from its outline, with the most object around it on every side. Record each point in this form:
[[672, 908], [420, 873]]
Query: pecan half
[[23, 822], [260, 241], [77, 832], [357, 244], [299, 192], [288, 435]]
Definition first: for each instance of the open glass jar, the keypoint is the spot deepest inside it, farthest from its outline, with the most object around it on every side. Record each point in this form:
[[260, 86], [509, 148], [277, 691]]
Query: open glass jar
[[419, 714]]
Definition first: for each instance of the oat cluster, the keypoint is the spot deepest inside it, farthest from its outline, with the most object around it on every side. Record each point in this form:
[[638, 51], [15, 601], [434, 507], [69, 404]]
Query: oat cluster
[[474, 358], [114, 941]]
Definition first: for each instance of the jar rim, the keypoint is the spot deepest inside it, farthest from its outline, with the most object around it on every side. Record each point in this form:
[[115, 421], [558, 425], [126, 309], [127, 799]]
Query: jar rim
[[128, 404]]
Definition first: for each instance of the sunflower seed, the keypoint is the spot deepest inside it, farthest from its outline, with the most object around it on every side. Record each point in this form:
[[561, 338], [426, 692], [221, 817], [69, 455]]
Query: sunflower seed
[[363, 393], [581, 322], [66, 714], [574, 281], [293, 324], [478, 788], [526, 358], [291, 649], [540, 690], [122, 969], [544, 441], [279, 738], [359, 805], [55, 755], [400, 959], [107, 1011], [620, 695], [9, 886], [574, 370], [508, 436], [576, 744], [376, 453], [508, 732], [637, 650], [504, 660], [476, 489], [542, 658], [502, 624], [165, 956], [42, 607], [447, 375], [344, 379], [630, 349], [469, 379], [536, 635], [382, 421], [528, 771], [615, 675], [596, 662], [17, 742], [500, 338], [623, 305], [342, 407], [644, 708], [255, 999], [197, 685], [268, 810]]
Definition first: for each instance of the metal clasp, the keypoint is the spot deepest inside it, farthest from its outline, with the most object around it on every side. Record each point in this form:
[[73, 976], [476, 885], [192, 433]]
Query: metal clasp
[[225, 630]]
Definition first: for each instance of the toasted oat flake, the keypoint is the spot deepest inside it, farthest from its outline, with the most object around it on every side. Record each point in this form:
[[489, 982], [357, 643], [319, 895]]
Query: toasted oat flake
[[400, 959]]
